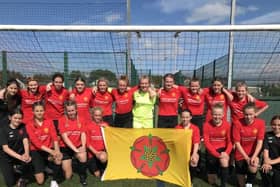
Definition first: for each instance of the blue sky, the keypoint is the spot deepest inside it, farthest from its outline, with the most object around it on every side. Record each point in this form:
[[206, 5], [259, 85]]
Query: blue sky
[[143, 12]]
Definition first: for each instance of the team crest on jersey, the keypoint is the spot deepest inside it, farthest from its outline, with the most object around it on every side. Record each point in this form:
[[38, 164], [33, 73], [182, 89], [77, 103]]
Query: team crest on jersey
[[173, 94], [255, 131], [46, 130], [60, 97], [85, 99], [106, 97], [223, 132], [197, 97], [222, 97], [125, 95], [20, 132]]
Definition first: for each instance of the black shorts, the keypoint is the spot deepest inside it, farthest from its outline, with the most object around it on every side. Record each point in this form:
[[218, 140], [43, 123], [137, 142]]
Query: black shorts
[[39, 161], [213, 163], [198, 120], [124, 120], [167, 121], [95, 164], [67, 153], [241, 167], [109, 120]]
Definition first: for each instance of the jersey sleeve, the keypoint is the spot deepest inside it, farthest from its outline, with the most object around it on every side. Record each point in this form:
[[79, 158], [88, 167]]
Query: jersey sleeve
[[260, 104], [261, 131], [33, 138], [236, 131], [3, 137], [229, 142], [196, 135], [61, 125], [207, 143], [53, 132], [265, 142]]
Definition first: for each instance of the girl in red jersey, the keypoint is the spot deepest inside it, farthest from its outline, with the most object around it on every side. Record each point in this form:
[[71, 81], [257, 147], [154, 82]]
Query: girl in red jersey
[[123, 98], [216, 134], [14, 150], [83, 97], [194, 99], [9, 100], [43, 145], [216, 94], [103, 98], [248, 135], [240, 98], [73, 143], [186, 117], [32, 94], [97, 156], [168, 103], [55, 97]]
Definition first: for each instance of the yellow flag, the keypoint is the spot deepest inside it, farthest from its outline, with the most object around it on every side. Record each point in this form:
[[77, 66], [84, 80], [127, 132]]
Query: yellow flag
[[148, 154]]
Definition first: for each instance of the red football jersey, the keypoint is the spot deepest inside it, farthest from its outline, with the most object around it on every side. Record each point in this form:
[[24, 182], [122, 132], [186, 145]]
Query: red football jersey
[[54, 103], [27, 101], [41, 135], [94, 136], [169, 101], [123, 101], [105, 101], [194, 102], [216, 137], [83, 100], [195, 132], [236, 106], [73, 129], [211, 99], [247, 136]]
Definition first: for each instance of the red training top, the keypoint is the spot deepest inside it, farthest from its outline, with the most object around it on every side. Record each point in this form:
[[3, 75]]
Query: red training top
[[236, 106], [73, 129], [195, 133], [247, 136], [194, 102], [55, 103], [123, 101], [211, 99], [43, 135], [105, 101], [169, 101], [83, 100], [216, 137], [27, 101], [94, 136]]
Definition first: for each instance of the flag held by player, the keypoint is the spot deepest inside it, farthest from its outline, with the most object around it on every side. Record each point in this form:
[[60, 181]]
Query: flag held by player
[[148, 154]]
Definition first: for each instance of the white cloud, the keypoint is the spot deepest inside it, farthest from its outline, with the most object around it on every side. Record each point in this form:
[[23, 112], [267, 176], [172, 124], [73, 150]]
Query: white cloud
[[210, 11], [113, 18], [269, 18]]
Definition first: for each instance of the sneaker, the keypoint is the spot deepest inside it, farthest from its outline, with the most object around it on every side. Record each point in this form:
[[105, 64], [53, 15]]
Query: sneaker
[[83, 181], [54, 184], [22, 183], [248, 185]]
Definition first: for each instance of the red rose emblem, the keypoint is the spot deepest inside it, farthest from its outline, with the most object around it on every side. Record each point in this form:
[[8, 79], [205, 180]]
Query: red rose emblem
[[149, 155]]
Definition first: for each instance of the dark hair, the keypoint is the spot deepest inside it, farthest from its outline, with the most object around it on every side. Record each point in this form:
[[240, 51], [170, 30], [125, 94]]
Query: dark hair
[[186, 110], [275, 117], [80, 78], [12, 81], [70, 103], [249, 105], [219, 79], [58, 75], [170, 75], [38, 103], [124, 78], [15, 111], [241, 84]]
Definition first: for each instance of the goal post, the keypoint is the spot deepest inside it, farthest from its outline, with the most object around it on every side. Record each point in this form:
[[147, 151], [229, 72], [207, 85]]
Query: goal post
[[186, 51]]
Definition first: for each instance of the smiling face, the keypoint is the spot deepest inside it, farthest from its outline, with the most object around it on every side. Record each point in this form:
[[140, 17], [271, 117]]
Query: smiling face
[[97, 116], [71, 111], [249, 115], [168, 83], [122, 86], [38, 112], [80, 86], [275, 126], [194, 87], [186, 118], [102, 86], [241, 92], [15, 120], [144, 84], [58, 83], [12, 89], [217, 87], [33, 86], [217, 115]]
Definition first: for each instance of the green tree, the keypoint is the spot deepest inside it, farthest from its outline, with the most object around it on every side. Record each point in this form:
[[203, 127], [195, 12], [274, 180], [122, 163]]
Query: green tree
[[96, 74]]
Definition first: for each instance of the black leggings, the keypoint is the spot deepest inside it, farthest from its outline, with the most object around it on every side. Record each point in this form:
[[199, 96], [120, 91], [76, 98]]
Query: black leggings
[[8, 171], [271, 179]]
